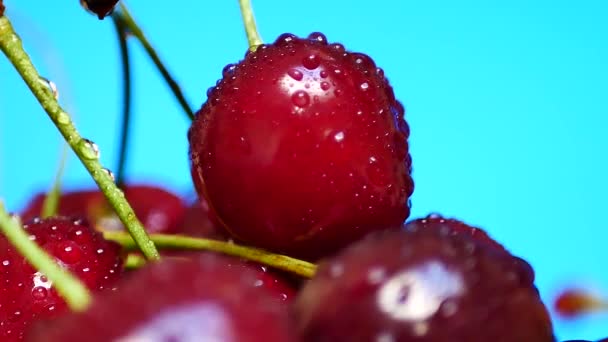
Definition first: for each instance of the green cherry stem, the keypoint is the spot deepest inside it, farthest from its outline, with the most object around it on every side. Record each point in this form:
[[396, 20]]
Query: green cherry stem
[[253, 36], [121, 34], [11, 46], [134, 29], [169, 241], [53, 197], [76, 295]]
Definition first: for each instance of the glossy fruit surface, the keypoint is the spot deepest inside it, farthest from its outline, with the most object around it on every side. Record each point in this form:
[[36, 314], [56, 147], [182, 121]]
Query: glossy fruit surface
[[27, 295], [302, 148], [179, 300], [454, 227], [159, 210], [100, 7], [421, 285]]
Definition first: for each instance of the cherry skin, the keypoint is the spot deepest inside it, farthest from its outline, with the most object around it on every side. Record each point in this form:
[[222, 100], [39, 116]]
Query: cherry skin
[[198, 299], [421, 285], [26, 295], [159, 210], [302, 148]]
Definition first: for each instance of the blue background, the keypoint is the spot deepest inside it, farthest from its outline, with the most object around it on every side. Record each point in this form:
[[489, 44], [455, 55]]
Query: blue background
[[506, 103]]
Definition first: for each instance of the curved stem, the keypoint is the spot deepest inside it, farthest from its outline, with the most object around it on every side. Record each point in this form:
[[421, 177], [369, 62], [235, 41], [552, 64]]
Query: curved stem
[[130, 23], [12, 47], [74, 292], [126, 98], [53, 197], [253, 36], [169, 241]]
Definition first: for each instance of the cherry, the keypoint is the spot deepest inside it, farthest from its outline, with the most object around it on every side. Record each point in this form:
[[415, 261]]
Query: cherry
[[421, 285], [302, 148], [159, 210], [100, 7], [451, 226], [200, 222], [179, 300], [26, 295]]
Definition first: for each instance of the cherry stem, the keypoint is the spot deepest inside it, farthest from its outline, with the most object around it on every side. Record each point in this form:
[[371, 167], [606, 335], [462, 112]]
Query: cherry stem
[[129, 23], [121, 34], [134, 261], [74, 292], [170, 241], [53, 197], [253, 36], [12, 47]]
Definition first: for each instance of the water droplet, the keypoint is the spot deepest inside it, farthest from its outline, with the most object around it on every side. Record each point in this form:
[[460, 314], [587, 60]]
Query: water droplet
[[339, 73], [338, 137], [325, 85], [338, 47], [63, 117], [323, 74], [39, 292], [363, 61], [311, 62], [364, 86], [285, 39], [6, 263], [109, 173], [338, 92], [50, 85], [69, 252], [434, 216], [318, 36], [89, 149], [300, 98], [295, 74], [228, 70]]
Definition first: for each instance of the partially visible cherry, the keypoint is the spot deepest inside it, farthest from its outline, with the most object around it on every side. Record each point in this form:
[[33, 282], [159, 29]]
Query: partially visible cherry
[[26, 295], [159, 210], [101, 8], [451, 226], [421, 285], [302, 148], [200, 222], [577, 302], [179, 300]]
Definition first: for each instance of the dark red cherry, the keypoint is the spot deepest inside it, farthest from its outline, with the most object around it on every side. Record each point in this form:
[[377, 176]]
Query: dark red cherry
[[420, 286], [159, 210], [179, 300], [302, 148], [27, 295], [101, 8]]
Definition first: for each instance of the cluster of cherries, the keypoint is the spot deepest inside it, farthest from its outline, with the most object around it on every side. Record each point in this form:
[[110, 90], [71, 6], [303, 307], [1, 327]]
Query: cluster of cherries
[[300, 149]]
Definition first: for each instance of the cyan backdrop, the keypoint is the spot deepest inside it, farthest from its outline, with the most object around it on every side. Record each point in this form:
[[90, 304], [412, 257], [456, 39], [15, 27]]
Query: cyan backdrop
[[506, 103]]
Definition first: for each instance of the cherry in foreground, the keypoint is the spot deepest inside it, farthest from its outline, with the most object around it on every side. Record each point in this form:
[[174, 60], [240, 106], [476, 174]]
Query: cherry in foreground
[[422, 284], [301, 148], [27, 295], [199, 299]]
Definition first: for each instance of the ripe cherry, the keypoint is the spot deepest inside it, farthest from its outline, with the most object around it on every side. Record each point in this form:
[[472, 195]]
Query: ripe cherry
[[302, 148], [426, 285]]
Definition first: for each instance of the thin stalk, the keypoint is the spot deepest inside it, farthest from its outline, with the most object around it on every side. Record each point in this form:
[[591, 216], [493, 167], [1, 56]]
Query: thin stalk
[[170, 241], [253, 36], [126, 98], [74, 292], [86, 151], [134, 29], [50, 206]]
